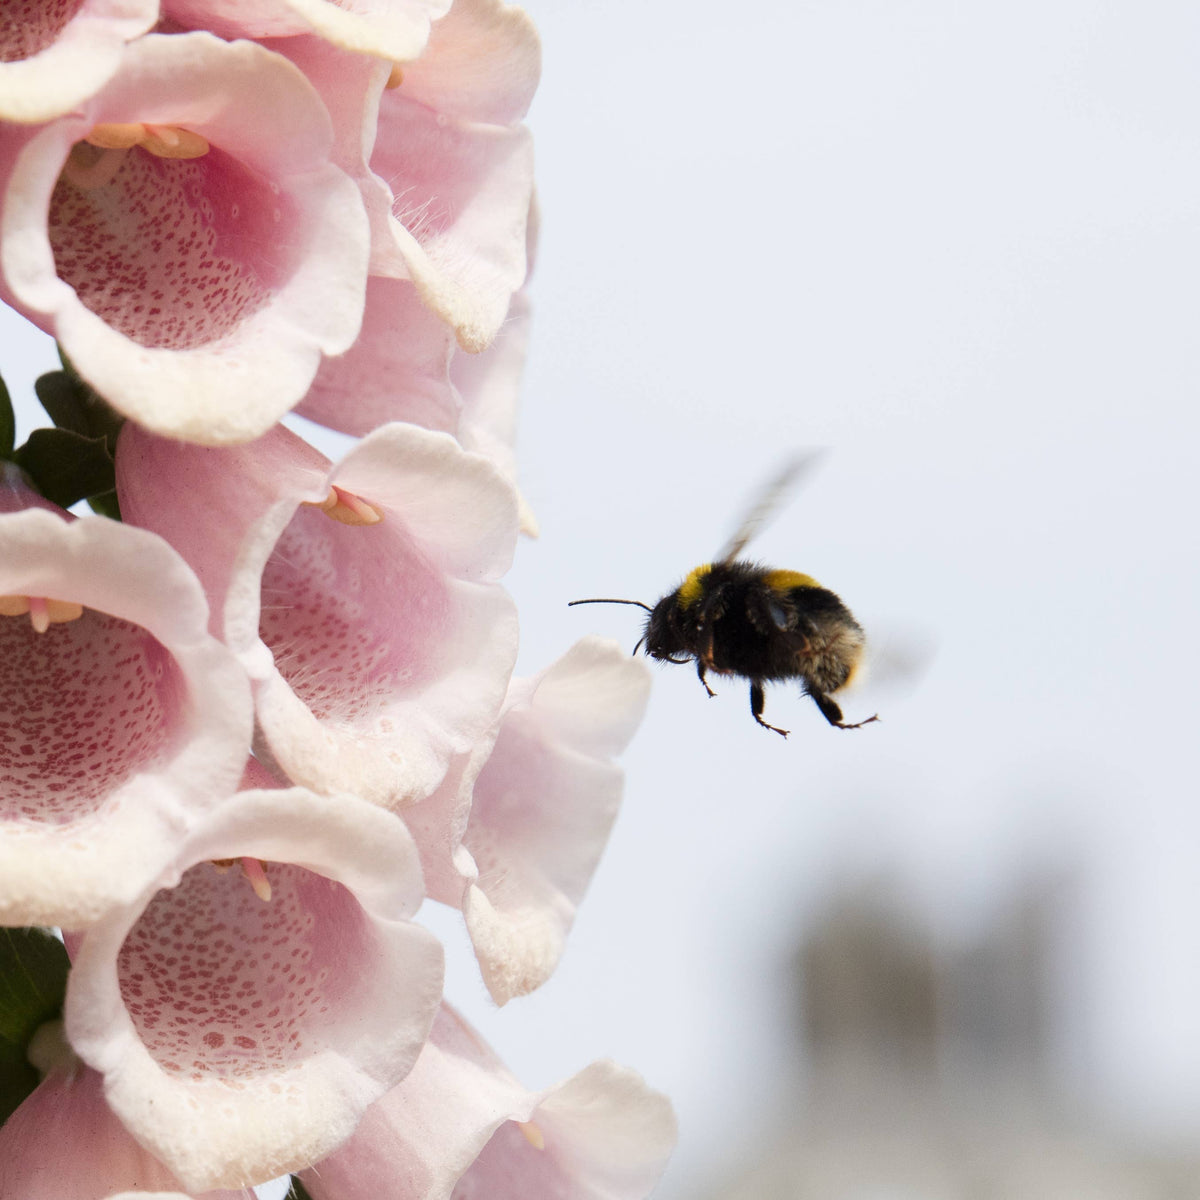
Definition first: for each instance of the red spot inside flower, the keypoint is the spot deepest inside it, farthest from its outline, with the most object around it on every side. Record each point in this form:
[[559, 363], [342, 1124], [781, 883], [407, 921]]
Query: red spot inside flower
[[86, 705], [172, 253], [205, 1017], [29, 26], [352, 624]]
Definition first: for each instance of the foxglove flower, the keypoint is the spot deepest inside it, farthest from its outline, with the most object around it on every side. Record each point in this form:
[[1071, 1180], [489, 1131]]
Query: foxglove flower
[[391, 29], [122, 717], [461, 1126], [398, 370], [379, 648], [404, 367], [242, 1030], [460, 166], [54, 56], [515, 832], [65, 1143], [489, 384], [187, 238]]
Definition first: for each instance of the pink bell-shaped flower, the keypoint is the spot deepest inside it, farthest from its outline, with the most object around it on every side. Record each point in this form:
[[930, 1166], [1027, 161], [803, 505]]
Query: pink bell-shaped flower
[[460, 166], [460, 1126], [54, 56], [186, 237], [362, 598], [516, 831], [243, 1019], [123, 719], [65, 1143], [390, 29]]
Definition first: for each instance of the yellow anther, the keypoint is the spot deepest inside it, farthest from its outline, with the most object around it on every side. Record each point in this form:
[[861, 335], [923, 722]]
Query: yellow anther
[[116, 137], [42, 612], [252, 869], [256, 876], [62, 611], [533, 1135], [163, 141], [39, 614], [395, 78], [170, 141], [348, 508]]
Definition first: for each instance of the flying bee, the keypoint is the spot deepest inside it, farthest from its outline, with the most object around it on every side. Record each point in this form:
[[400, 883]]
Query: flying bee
[[734, 617]]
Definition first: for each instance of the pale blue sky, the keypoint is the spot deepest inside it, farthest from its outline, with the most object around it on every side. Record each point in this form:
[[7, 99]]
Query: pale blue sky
[[959, 244]]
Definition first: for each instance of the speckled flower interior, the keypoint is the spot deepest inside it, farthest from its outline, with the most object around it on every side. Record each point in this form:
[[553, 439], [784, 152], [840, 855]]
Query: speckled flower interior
[[221, 985], [86, 704], [353, 616], [29, 26], [172, 253]]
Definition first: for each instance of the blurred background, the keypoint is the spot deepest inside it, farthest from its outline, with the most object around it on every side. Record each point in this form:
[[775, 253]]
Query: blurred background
[[955, 953]]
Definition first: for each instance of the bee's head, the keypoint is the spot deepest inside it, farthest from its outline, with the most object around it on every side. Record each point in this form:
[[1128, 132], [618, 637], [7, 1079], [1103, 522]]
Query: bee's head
[[665, 637], [666, 632]]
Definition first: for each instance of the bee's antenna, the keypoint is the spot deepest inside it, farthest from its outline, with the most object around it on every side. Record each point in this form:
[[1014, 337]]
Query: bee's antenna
[[606, 600]]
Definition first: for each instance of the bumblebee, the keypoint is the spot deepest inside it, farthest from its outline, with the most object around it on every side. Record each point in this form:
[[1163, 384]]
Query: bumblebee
[[733, 617]]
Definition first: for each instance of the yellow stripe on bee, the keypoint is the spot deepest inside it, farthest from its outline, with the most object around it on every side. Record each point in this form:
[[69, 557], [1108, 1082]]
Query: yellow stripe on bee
[[693, 585], [858, 671], [782, 581]]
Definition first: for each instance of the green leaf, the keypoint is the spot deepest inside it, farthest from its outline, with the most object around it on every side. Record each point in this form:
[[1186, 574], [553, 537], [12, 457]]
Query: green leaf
[[33, 981], [66, 466], [106, 505], [72, 404], [298, 1191], [63, 400], [8, 423]]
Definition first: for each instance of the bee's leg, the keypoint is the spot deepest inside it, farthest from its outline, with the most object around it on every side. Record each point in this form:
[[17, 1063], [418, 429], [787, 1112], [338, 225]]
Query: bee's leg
[[701, 671], [833, 714], [757, 700]]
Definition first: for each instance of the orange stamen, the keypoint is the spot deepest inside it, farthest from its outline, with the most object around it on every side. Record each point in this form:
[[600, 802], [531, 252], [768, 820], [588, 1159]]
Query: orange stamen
[[348, 508], [43, 612], [533, 1135], [256, 876]]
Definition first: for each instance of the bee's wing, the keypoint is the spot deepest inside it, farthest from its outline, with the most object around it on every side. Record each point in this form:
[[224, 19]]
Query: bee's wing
[[768, 501]]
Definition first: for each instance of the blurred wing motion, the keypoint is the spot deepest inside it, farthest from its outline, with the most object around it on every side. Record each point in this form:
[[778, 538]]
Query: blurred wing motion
[[896, 663], [768, 503]]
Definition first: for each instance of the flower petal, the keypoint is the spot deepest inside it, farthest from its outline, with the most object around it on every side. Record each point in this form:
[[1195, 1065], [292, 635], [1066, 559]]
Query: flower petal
[[118, 727], [516, 830], [393, 29], [53, 58], [543, 807], [601, 1135], [377, 652], [463, 195], [197, 295], [461, 169], [483, 63], [489, 385], [65, 1143], [398, 370], [454, 1127], [240, 1039]]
